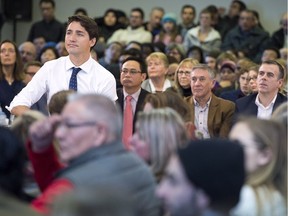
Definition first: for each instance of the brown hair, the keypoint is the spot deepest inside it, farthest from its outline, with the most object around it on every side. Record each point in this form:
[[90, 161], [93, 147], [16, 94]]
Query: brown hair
[[18, 66], [171, 99], [88, 24], [58, 101]]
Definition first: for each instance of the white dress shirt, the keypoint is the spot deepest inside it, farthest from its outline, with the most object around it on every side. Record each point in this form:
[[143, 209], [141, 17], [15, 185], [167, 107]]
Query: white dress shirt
[[54, 76], [134, 100], [201, 118], [264, 112]]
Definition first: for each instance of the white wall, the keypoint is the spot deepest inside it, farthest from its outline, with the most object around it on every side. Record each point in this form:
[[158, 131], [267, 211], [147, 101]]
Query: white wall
[[270, 11]]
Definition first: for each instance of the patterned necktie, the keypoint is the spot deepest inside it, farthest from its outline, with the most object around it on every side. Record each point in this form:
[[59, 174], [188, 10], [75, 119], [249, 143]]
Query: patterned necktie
[[127, 121], [73, 79]]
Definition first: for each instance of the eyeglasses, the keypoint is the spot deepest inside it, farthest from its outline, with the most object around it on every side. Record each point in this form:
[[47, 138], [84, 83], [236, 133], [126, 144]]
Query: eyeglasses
[[186, 73], [131, 72], [70, 125], [254, 78]]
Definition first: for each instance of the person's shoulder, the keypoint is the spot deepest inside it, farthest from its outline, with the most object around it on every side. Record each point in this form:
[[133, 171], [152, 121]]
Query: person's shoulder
[[100, 69], [193, 30], [144, 92], [224, 102], [246, 99], [281, 97]]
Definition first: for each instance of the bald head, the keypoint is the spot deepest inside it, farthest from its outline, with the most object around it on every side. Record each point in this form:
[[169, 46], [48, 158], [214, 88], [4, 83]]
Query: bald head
[[27, 51]]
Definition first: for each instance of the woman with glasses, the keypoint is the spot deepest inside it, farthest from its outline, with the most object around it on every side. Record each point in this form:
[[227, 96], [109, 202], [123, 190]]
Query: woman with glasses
[[182, 77], [252, 75], [11, 74], [265, 148]]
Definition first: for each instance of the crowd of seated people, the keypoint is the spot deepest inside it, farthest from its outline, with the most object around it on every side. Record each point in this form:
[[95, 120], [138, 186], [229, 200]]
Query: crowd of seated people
[[195, 122]]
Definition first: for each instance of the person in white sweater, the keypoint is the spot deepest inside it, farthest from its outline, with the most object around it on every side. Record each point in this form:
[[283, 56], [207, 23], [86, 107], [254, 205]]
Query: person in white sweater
[[204, 35], [134, 32]]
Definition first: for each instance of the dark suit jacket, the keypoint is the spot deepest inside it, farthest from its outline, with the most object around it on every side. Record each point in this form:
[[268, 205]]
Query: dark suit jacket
[[220, 116], [139, 104], [247, 106]]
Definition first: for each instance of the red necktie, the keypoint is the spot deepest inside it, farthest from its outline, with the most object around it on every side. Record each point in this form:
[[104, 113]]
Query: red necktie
[[127, 121]]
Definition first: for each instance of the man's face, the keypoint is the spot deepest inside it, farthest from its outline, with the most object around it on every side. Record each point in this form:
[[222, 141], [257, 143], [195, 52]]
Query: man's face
[[131, 76], [201, 83], [268, 81], [234, 9], [179, 196], [77, 131], [155, 18], [28, 52], [246, 21], [205, 19], [77, 39], [188, 15], [30, 72], [47, 11], [136, 19]]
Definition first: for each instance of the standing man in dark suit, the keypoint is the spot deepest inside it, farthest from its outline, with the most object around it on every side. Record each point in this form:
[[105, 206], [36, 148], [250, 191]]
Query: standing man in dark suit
[[133, 73], [270, 79]]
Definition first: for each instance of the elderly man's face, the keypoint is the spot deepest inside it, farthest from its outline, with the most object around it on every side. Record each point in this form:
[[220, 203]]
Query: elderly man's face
[[76, 132], [179, 196]]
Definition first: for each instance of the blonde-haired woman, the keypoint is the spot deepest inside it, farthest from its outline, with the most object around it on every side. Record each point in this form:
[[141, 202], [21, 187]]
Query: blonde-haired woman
[[157, 67], [265, 147], [182, 77], [159, 133]]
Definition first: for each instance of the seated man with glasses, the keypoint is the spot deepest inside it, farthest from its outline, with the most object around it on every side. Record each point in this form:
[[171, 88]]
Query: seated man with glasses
[[89, 135], [133, 73]]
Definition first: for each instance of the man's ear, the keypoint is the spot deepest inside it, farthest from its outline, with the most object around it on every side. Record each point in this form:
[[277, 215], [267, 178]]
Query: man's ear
[[144, 75], [92, 42], [101, 135], [280, 82], [213, 83]]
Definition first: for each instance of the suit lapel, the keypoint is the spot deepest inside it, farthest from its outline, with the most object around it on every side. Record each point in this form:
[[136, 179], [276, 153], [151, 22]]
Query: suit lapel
[[120, 99]]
